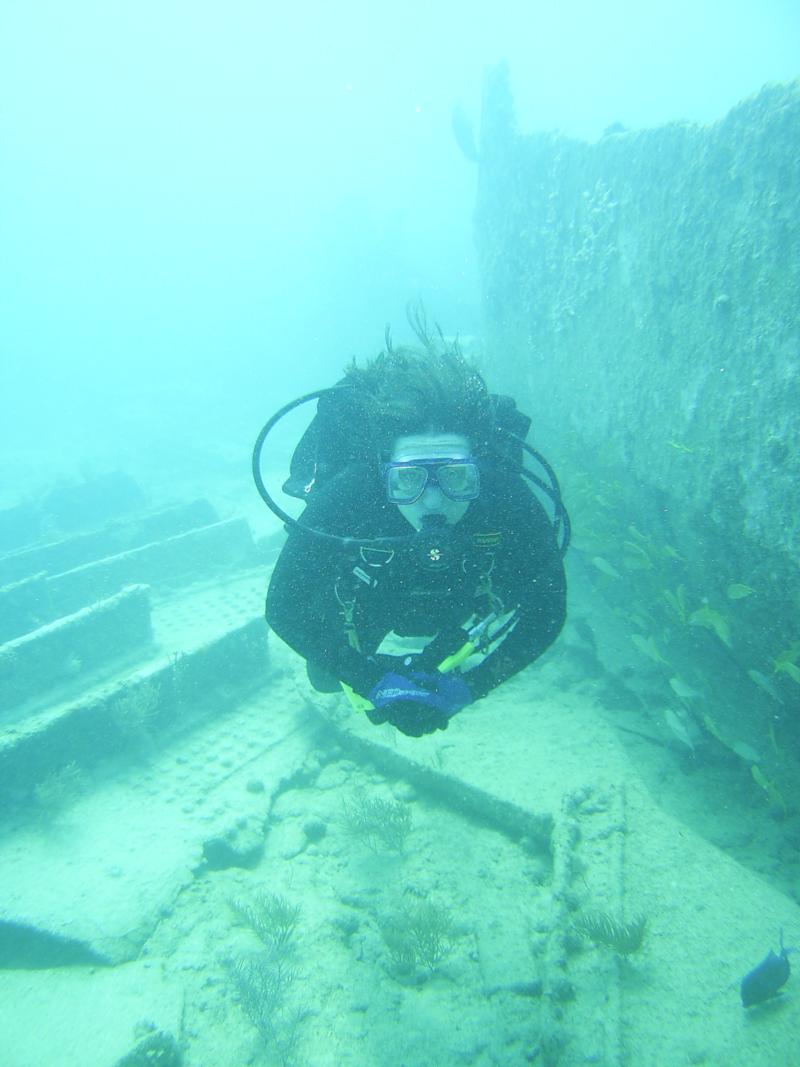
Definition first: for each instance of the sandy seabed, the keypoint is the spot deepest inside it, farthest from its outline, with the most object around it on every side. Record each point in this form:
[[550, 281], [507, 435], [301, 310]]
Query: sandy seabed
[[454, 940]]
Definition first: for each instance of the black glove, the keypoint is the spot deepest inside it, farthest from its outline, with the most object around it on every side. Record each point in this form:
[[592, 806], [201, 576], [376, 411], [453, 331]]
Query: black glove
[[420, 703], [410, 717]]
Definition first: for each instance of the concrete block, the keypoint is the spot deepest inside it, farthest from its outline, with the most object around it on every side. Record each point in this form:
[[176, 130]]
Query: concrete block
[[174, 562], [86, 640], [24, 606], [65, 554], [114, 858], [49, 753]]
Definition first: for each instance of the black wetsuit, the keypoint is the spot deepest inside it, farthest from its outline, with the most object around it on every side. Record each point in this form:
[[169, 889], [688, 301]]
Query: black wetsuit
[[505, 534]]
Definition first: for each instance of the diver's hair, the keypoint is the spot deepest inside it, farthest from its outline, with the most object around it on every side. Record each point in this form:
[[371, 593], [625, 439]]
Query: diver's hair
[[427, 388]]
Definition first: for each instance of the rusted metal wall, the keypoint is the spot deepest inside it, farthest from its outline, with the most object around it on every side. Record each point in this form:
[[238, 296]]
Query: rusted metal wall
[[641, 299]]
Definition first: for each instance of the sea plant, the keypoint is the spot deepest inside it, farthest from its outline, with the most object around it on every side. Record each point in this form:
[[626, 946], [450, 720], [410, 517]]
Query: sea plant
[[263, 983], [612, 931], [381, 825], [60, 787], [135, 710], [421, 935], [271, 917]]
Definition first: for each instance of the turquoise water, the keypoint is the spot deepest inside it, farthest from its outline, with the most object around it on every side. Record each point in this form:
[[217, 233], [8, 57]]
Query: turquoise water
[[206, 211]]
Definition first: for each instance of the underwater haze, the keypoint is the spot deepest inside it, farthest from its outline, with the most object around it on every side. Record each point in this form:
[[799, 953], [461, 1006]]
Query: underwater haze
[[208, 208], [564, 829]]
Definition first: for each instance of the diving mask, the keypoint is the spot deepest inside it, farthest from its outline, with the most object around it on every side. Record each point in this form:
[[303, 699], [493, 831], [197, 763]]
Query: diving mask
[[406, 481]]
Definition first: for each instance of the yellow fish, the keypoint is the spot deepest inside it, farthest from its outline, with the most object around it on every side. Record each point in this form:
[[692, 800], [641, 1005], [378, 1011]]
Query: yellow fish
[[677, 601], [605, 567], [648, 646], [787, 667], [713, 729], [769, 787], [636, 557], [764, 683], [712, 620], [786, 662], [737, 591], [682, 690], [673, 553], [638, 535]]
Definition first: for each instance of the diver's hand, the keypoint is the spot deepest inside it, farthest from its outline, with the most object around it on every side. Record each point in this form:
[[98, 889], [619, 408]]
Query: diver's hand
[[418, 703], [410, 718]]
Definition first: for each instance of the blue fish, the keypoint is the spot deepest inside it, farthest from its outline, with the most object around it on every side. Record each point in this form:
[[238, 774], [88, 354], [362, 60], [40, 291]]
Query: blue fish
[[768, 978]]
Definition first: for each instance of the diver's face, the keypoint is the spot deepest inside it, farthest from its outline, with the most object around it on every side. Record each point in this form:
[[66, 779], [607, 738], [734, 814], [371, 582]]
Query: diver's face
[[427, 446]]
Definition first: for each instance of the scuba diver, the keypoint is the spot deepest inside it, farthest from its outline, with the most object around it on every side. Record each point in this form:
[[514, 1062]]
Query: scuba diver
[[420, 523]]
